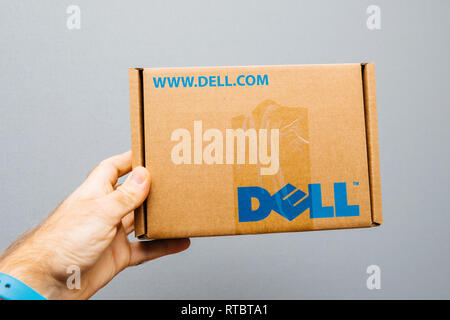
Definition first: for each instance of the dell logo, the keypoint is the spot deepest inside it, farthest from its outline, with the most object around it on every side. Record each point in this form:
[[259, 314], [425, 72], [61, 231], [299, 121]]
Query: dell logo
[[290, 202]]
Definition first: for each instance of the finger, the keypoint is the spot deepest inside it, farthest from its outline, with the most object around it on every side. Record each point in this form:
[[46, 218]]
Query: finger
[[148, 250], [128, 222], [128, 196], [109, 170]]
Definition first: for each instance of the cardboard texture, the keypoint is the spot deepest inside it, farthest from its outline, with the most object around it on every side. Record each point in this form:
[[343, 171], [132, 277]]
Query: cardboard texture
[[256, 149]]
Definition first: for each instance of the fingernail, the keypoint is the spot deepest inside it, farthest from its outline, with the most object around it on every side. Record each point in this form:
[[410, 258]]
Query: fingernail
[[139, 175]]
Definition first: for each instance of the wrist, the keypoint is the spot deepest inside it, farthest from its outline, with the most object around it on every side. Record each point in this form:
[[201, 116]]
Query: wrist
[[12, 288], [34, 277]]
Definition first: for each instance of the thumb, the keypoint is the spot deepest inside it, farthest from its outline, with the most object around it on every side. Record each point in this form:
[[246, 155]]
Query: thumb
[[130, 195]]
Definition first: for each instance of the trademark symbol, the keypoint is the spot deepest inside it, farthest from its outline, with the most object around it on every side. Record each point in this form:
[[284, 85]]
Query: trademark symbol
[[356, 183]]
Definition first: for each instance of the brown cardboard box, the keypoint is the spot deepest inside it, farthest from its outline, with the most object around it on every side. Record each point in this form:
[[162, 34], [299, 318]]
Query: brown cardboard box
[[256, 149]]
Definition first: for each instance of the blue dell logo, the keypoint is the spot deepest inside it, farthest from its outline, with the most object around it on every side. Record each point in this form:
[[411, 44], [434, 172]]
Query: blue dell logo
[[290, 202]]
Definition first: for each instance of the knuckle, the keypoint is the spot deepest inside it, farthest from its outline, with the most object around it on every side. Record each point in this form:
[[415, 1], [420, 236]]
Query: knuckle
[[108, 166], [104, 164], [127, 195]]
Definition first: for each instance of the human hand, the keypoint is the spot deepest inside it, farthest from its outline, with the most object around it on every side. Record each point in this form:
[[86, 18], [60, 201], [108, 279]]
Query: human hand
[[89, 230]]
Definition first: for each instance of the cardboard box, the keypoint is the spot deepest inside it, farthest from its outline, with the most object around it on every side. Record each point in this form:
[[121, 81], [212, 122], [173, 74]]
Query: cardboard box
[[256, 149]]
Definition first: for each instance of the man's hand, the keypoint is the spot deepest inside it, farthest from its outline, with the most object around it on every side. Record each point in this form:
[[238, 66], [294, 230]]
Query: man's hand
[[89, 230]]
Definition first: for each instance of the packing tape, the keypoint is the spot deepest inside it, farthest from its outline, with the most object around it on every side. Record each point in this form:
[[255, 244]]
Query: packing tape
[[294, 165]]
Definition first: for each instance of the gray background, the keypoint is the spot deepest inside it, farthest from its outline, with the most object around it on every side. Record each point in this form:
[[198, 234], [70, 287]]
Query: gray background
[[64, 107]]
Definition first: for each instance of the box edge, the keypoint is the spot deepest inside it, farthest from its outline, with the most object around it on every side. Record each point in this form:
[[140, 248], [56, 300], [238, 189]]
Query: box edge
[[137, 140], [371, 119]]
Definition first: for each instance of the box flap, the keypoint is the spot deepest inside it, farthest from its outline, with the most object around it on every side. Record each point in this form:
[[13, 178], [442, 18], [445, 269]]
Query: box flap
[[137, 140], [370, 107]]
